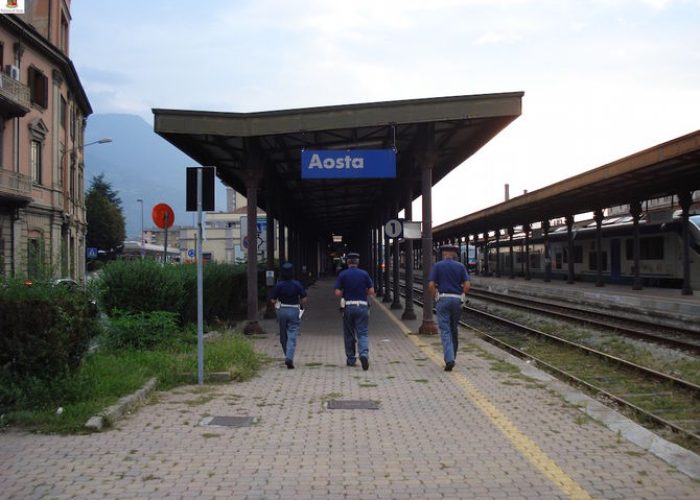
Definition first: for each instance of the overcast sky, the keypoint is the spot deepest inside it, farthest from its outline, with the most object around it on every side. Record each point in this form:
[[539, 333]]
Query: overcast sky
[[602, 78]]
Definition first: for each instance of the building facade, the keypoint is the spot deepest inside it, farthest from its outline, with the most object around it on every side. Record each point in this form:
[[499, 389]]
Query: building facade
[[43, 112]]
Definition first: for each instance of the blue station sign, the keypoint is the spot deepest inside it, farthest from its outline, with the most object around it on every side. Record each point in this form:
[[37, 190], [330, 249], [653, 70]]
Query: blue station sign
[[351, 164]]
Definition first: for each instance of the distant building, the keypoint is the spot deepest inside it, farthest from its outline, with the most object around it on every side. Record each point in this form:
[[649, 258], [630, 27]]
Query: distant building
[[43, 110]]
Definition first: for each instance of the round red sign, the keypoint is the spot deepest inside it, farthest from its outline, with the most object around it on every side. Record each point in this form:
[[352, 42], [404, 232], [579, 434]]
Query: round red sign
[[163, 215]]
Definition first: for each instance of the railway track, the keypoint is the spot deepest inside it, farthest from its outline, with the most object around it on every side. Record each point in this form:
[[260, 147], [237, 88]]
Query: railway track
[[686, 340], [660, 399]]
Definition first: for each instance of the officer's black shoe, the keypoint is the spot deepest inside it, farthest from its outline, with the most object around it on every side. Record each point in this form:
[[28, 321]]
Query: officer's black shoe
[[290, 365], [365, 362], [449, 366]]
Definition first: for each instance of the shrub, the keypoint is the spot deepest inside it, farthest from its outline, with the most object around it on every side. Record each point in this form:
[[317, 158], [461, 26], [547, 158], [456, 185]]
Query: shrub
[[141, 286], [146, 286], [143, 330], [46, 329]]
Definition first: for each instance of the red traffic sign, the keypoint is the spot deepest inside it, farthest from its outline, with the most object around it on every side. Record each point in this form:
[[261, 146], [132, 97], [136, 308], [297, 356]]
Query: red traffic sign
[[163, 215]]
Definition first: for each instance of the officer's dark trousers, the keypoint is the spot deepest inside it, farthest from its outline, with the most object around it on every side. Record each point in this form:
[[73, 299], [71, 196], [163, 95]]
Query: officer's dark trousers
[[449, 311], [356, 330]]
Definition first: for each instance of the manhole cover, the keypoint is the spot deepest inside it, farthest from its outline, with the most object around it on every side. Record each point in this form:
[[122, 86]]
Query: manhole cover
[[340, 404], [228, 421]]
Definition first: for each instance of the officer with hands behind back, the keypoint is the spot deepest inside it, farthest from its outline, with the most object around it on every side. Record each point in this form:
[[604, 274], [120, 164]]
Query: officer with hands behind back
[[289, 296], [352, 286], [449, 282]]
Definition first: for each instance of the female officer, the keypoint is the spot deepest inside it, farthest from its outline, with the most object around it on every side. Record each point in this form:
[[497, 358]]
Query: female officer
[[289, 295]]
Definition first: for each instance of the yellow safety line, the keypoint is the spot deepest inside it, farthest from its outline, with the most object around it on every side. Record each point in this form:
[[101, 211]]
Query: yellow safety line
[[526, 446]]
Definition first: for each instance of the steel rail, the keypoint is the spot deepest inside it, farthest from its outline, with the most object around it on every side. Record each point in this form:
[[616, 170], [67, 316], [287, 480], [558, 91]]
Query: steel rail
[[689, 386], [578, 315]]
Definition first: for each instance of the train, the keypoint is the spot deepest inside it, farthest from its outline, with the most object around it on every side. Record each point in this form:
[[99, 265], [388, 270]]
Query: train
[[660, 262]]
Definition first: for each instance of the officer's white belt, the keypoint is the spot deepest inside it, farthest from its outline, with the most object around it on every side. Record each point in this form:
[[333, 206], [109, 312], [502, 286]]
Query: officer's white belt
[[454, 295], [355, 302], [290, 305]]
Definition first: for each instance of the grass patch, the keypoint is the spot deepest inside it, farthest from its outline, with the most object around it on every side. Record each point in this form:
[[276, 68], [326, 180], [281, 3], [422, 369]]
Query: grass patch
[[209, 435], [503, 367], [368, 384], [313, 364], [421, 380], [104, 377]]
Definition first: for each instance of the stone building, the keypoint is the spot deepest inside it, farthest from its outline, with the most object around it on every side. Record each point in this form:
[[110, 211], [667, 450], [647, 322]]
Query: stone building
[[43, 111]]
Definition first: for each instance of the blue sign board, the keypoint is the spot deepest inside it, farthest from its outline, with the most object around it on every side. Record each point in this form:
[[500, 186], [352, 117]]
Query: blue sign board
[[351, 164], [91, 252]]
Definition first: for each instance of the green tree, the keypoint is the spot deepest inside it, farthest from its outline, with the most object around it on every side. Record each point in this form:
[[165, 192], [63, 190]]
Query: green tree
[[105, 218]]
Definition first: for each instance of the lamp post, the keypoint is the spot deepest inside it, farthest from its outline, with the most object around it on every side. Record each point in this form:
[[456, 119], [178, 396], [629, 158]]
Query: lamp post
[[67, 189], [143, 243]]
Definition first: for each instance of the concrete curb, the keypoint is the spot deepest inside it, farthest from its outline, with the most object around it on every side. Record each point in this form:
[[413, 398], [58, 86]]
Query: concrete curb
[[684, 460], [113, 413]]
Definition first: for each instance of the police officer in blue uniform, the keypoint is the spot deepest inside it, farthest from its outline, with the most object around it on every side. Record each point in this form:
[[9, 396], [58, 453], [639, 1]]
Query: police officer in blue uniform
[[352, 286], [448, 282], [289, 296]]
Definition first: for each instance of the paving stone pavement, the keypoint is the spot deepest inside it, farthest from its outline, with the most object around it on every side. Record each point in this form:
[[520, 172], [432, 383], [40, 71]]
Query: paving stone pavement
[[479, 432]]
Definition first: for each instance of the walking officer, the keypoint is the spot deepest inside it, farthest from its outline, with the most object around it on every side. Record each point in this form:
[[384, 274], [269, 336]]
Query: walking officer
[[448, 282], [289, 296], [352, 286]]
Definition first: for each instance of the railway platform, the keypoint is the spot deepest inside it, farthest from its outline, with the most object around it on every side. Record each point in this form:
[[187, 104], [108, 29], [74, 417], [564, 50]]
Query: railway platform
[[663, 305], [485, 430]]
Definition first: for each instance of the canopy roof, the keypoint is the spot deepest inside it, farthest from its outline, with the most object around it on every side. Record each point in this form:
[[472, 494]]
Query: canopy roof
[[662, 170], [229, 141]]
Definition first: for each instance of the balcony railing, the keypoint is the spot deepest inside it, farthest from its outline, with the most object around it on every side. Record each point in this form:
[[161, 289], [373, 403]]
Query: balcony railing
[[14, 91], [14, 184]]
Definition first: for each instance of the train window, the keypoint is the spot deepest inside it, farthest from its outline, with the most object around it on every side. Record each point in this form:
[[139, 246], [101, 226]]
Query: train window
[[651, 248], [535, 260], [557, 260], [593, 261], [578, 255]]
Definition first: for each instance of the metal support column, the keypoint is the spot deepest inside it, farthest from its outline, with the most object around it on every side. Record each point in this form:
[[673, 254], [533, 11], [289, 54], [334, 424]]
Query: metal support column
[[269, 261], [685, 199], [547, 256], [635, 211], [251, 192], [527, 228], [396, 303], [281, 252], [379, 285], [486, 253], [498, 253], [570, 249], [408, 312], [428, 162], [511, 232], [387, 267], [598, 218]]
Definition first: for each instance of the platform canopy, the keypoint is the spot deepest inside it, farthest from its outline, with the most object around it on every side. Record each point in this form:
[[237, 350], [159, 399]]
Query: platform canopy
[[666, 169], [269, 145]]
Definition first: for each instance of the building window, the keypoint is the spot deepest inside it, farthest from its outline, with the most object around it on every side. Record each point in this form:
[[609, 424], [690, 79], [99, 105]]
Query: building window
[[72, 122], [35, 257], [35, 162], [64, 34], [38, 87], [63, 116]]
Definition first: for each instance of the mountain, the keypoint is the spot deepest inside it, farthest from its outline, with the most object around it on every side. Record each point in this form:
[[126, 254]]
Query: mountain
[[139, 164]]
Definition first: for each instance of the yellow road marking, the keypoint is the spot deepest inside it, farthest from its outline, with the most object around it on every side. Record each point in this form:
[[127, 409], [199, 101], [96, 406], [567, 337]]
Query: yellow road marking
[[526, 446]]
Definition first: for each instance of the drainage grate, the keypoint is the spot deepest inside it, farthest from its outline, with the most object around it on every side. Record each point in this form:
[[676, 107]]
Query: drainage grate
[[363, 404], [228, 421]]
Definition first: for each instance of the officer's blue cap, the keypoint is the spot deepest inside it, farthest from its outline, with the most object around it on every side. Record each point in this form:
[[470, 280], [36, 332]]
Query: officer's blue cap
[[287, 266], [353, 256], [449, 247]]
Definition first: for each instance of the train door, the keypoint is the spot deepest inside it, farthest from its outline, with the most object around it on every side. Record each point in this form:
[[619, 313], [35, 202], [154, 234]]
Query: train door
[[615, 261]]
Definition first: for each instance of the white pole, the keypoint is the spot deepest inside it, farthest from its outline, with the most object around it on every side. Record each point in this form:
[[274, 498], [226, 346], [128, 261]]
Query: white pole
[[200, 285]]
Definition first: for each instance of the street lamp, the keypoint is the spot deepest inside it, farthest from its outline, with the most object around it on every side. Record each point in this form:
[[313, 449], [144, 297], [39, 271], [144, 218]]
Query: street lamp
[[143, 243], [68, 191]]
